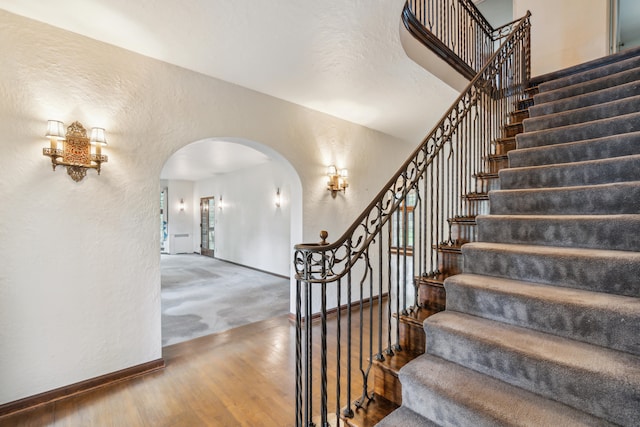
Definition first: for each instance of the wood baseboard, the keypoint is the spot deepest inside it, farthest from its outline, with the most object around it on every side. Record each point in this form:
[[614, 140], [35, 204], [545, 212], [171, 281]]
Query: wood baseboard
[[343, 307], [80, 387], [252, 268]]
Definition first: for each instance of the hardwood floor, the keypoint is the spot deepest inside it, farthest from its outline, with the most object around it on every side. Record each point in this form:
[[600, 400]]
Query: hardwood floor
[[242, 377]]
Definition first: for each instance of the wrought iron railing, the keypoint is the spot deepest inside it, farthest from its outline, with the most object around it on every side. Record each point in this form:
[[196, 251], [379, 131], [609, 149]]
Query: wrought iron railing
[[455, 30], [367, 275]]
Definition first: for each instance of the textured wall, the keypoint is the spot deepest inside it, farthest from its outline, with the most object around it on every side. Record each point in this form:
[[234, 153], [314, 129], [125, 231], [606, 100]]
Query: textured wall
[[565, 33], [250, 229], [80, 277]]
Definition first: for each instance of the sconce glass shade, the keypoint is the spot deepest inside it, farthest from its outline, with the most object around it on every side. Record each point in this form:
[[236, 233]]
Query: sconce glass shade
[[331, 170], [98, 137], [344, 173], [76, 153], [55, 129]]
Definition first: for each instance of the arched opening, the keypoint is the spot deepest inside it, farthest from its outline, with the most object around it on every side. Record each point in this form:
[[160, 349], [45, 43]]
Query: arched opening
[[229, 267]]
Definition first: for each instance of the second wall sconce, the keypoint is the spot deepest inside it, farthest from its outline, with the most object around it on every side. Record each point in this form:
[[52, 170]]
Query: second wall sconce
[[76, 153], [337, 180], [278, 198], [181, 205]]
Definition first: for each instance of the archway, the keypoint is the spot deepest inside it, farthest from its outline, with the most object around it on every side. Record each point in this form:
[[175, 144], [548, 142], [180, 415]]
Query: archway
[[243, 177]]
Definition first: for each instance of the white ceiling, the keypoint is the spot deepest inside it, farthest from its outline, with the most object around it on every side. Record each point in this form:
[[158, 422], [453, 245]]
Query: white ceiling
[[204, 159], [341, 57]]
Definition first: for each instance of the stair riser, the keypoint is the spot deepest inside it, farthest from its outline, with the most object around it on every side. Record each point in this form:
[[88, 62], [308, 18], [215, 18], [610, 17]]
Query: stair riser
[[503, 146], [592, 74], [586, 100], [463, 232], [620, 169], [581, 132], [475, 207], [610, 272], [575, 317], [511, 130], [519, 116], [524, 104], [387, 385], [412, 339], [450, 263], [496, 164], [622, 198], [618, 232], [484, 185], [582, 115], [431, 297], [592, 392], [613, 146], [590, 86]]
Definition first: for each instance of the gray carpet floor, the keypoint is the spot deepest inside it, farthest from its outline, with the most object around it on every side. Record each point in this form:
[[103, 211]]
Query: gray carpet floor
[[202, 296]]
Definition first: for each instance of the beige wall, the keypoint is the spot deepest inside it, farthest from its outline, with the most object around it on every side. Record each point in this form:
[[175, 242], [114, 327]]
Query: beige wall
[[565, 32], [80, 276]]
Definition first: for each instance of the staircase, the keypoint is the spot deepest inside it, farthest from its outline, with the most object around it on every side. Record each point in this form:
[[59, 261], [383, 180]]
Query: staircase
[[542, 328]]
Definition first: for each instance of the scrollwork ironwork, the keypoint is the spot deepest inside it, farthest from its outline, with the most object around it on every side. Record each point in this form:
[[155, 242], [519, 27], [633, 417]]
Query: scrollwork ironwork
[[441, 173]]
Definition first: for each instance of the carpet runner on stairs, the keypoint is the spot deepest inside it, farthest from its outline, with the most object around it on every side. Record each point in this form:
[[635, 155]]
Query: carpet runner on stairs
[[543, 326]]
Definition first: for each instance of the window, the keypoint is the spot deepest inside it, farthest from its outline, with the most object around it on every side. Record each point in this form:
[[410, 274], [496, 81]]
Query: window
[[401, 221]]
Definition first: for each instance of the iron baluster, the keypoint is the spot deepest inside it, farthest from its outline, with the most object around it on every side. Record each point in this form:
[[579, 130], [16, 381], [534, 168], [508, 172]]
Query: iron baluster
[[451, 158]]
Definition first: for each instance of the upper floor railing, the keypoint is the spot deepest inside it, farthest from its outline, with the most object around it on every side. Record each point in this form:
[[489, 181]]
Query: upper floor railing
[[455, 30], [365, 280]]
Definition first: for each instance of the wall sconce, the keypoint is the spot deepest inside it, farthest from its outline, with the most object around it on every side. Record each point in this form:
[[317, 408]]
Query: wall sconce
[[278, 198], [220, 203], [76, 152], [181, 205], [337, 180]]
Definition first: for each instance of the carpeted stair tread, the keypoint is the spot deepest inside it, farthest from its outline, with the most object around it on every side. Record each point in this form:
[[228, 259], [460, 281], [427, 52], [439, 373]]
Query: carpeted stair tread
[[450, 394], [581, 131], [589, 172], [590, 74], [585, 66], [603, 110], [611, 80], [592, 149], [616, 198], [593, 379], [607, 320], [598, 270], [592, 98], [405, 417], [611, 232]]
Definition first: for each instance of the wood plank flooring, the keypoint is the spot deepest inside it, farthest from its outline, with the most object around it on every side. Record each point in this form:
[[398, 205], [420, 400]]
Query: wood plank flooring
[[242, 377]]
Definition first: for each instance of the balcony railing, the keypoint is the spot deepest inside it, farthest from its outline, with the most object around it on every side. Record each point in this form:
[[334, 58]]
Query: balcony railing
[[455, 30], [368, 274]]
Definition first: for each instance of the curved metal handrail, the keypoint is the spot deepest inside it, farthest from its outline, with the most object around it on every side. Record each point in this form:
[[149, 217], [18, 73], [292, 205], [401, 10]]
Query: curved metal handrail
[[388, 200], [438, 183]]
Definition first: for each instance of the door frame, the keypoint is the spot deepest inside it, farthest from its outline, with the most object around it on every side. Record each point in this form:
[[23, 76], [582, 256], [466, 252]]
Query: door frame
[[207, 213]]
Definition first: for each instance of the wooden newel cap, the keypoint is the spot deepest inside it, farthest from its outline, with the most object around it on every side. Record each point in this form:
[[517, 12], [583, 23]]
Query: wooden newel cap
[[323, 236]]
